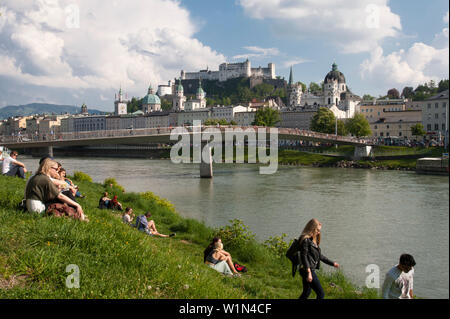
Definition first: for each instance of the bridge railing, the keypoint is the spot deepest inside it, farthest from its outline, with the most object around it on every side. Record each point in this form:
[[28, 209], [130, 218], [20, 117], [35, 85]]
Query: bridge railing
[[66, 136]]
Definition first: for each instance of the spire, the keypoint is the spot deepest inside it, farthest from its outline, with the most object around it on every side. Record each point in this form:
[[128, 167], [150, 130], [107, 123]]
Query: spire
[[291, 78], [334, 66]]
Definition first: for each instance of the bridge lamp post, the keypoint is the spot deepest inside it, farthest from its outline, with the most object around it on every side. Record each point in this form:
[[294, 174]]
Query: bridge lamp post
[[336, 131]]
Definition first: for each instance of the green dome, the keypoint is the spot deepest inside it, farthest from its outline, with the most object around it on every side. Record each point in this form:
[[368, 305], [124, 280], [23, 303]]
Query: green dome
[[151, 99]]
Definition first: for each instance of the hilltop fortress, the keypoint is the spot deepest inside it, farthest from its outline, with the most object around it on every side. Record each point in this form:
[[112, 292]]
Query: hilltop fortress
[[230, 71]]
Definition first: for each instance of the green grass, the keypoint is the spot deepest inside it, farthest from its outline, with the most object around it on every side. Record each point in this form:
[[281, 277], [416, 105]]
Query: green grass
[[117, 261]]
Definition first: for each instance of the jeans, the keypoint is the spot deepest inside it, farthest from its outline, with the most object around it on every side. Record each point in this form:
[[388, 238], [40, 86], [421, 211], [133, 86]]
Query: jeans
[[16, 171], [314, 285]]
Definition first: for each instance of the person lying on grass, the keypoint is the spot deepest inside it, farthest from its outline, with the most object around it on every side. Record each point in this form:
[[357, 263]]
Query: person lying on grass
[[219, 259], [41, 192], [148, 226]]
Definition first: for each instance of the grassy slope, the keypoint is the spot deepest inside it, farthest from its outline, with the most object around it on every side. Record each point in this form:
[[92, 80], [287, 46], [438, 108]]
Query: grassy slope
[[117, 261]]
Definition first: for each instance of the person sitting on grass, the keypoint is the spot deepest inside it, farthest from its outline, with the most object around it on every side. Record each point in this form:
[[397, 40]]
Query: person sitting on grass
[[104, 202], [115, 204], [128, 216], [217, 258], [149, 227], [75, 190], [41, 192], [12, 167]]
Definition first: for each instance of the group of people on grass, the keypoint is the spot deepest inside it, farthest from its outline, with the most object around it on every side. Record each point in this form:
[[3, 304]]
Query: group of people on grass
[[50, 188], [48, 191]]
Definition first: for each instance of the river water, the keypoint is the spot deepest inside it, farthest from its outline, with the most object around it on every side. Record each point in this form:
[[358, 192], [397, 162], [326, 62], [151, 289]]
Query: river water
[[368, 216]]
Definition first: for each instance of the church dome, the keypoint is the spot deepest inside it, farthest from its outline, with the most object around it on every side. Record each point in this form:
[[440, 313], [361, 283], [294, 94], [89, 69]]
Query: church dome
[[151, 98], [334, 75]]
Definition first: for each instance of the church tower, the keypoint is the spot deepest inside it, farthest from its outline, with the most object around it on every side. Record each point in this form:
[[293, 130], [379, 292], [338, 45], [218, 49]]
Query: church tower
[[178, 98], [84, 110], [120, 105], [294, 91]]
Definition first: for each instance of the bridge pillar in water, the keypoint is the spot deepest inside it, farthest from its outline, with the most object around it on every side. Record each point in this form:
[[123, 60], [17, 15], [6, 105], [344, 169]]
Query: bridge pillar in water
[[50, 151], [206, 169], [362, 151]]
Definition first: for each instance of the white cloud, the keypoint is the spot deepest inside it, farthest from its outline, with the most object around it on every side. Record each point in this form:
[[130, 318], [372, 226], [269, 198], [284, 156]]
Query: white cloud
[[445, 18], [257, 52], [89, 45], [351, 25], [419, 64], [294, 61]]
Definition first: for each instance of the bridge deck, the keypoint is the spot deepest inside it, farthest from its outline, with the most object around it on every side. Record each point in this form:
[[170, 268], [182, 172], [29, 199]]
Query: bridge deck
[[162, 135]]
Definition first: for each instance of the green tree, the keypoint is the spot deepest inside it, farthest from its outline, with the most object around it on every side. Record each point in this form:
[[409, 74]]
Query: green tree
[[341, 128], [358, 126], [393, 94], [315, 88], [442, 86], [166, 105], [418, 130], [266, 117], [134, 105], [408, 91], [304, 87], [368, 97], [323, 121]]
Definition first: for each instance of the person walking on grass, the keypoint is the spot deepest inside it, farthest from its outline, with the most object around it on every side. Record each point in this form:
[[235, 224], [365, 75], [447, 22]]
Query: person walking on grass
[[398, 283], [148, 226], [311, 256]]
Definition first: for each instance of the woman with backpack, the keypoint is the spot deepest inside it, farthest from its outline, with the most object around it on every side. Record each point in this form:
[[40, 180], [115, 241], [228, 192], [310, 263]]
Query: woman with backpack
[[311, 256]]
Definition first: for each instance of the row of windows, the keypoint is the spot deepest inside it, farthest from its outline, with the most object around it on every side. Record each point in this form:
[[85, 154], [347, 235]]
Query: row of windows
[[436, 105], [387, 134], [436, 115], [436, 127]]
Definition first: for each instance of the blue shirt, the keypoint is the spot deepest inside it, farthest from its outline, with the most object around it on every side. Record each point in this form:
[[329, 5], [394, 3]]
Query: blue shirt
[[141, 222]]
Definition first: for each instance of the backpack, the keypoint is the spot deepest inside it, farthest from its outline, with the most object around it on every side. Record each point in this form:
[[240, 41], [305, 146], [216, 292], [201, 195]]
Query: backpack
[[240, 268], [293, 254]]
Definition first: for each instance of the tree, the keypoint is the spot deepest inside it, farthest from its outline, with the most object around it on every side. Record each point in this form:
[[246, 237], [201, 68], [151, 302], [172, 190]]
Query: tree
[[304, 87], [368, 97], [418, 130], [341, 128], [134, 105], [442, 86], [166, 105], [358, 126], [408, 92], [315, 88], [393, 94], [323, 121], [266, 117]]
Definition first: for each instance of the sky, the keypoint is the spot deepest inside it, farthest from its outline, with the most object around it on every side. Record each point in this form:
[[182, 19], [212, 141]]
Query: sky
[[82, 51]]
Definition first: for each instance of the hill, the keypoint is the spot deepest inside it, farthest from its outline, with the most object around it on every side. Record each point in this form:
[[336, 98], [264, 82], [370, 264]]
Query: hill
[[117, 261], [41, 108]]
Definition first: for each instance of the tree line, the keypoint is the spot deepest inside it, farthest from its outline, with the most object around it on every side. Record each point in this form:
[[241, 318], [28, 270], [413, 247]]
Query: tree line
[[420, 93]]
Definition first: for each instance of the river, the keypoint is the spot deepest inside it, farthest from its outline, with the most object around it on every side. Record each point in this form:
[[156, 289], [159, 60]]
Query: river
[[368, 216]]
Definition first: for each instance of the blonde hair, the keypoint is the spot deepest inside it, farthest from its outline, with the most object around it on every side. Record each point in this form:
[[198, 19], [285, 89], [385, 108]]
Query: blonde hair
[[218, 246], [309, 230], [45, 166]]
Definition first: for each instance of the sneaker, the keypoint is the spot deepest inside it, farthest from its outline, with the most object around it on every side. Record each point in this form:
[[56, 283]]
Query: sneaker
[[172, 235], [237, 275]]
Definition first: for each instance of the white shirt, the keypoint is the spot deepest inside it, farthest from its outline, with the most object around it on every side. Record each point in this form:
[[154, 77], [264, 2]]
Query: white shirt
[[7, 164], [397, 284], [126, 219]]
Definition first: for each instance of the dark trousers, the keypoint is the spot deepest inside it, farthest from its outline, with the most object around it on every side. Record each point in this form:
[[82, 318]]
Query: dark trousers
[[314, 285], [16, 171]]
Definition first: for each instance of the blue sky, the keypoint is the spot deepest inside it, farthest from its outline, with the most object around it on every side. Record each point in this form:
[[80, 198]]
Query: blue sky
[[75, 51]]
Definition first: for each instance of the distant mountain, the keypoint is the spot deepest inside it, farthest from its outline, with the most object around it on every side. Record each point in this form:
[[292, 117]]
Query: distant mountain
[[41, 108]]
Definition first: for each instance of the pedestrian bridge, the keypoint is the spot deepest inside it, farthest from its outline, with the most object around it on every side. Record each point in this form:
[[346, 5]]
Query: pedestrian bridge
[[163, 135]]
